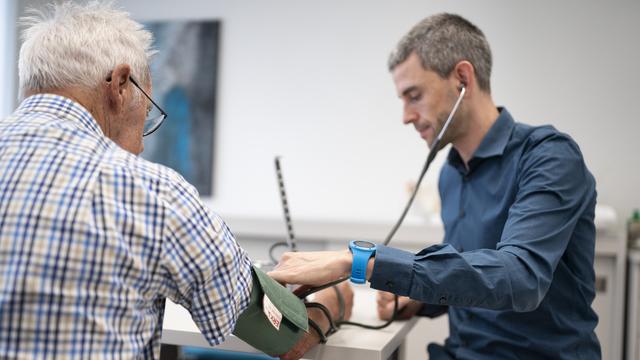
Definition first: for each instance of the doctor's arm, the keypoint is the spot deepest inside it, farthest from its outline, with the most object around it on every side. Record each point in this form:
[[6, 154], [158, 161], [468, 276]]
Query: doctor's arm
[[555, 188]]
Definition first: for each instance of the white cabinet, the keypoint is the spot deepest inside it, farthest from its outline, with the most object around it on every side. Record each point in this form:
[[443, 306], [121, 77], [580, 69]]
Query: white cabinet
[[633, 306], [610, 265]]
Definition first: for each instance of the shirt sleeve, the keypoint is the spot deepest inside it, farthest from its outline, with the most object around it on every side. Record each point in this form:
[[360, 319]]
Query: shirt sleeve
[[554, 189], [206, 271]]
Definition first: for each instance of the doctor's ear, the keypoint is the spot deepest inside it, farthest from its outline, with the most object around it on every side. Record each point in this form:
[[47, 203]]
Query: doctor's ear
[[463, 73]]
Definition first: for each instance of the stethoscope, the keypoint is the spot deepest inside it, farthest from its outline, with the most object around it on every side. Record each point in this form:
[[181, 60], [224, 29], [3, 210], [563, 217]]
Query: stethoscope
[[304, 291]]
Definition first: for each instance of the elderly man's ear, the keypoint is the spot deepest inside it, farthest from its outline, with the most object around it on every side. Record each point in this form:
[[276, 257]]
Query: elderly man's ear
[[118, 86]]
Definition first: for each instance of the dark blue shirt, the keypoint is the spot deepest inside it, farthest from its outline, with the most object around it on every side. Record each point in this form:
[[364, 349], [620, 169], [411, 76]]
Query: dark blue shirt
[[516, 265]]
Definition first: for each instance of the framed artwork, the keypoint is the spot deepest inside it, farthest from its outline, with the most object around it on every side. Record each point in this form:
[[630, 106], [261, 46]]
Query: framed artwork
[[184, 73]]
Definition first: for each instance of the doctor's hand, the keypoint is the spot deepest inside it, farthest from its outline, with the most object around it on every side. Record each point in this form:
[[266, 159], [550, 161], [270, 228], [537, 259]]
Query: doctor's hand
[[313, 268], [407, 307]]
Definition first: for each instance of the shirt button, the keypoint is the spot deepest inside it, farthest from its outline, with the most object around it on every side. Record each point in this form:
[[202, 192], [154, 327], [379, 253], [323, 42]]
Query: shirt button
[[389, 284], [443, 300]]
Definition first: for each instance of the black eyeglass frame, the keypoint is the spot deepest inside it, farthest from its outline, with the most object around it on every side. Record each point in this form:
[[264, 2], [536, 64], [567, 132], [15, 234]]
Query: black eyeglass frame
[[163, 114]]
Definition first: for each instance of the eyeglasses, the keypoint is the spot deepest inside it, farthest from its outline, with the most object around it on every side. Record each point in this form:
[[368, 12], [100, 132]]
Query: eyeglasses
[[156, 115]]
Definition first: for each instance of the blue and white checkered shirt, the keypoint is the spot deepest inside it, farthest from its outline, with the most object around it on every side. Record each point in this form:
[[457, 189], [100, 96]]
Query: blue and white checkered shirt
[[93, 239]]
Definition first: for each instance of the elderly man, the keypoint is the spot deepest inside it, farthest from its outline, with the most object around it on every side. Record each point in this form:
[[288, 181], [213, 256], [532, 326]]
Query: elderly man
[[93, 238]]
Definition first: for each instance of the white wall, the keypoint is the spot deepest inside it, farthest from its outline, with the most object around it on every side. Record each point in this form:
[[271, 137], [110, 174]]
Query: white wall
[[7, 48], [308, 81], [5, 38]]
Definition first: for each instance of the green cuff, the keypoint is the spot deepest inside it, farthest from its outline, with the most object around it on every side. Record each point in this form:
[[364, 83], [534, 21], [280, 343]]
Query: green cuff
[[256, 329]]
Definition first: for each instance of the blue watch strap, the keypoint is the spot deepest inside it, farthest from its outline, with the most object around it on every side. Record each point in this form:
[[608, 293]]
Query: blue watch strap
[[359, 264]]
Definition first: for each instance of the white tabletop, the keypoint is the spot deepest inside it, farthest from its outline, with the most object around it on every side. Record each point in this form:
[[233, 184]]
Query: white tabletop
[[350, 342]]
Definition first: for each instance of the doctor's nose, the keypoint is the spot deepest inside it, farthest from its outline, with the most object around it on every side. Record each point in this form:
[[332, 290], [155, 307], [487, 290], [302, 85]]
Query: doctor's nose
[[409, 116]]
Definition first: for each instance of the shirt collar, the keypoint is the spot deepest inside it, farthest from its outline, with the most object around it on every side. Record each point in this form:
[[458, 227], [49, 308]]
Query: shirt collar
[[493, 143], [60, 107], [496, 139]]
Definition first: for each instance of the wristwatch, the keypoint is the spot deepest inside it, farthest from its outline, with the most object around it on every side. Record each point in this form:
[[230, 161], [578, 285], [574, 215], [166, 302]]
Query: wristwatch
[[362, 251]]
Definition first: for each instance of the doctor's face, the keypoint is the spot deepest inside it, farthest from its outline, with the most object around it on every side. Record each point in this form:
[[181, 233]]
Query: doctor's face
[[427, 98]]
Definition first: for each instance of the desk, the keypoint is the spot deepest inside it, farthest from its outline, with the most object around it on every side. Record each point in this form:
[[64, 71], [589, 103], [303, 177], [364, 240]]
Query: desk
[[350, 342]]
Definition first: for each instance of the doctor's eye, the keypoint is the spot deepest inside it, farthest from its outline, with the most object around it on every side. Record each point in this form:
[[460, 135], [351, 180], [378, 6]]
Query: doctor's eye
[[414, 97]]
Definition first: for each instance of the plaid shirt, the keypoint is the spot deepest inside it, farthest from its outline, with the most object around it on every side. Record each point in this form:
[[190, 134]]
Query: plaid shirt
[[93, 239]]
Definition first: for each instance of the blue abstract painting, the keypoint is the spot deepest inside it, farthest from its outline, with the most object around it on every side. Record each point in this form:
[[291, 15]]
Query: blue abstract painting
[[184, 73]]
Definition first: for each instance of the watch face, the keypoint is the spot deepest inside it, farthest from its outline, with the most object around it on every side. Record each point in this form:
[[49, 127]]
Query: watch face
[[364, 244]]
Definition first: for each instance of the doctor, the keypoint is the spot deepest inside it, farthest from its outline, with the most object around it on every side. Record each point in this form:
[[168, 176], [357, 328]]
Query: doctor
[[515, 268]]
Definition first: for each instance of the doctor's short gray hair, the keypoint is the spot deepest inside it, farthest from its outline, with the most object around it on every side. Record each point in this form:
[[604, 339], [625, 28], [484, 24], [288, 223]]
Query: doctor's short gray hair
[[443, 40], [71, 44]]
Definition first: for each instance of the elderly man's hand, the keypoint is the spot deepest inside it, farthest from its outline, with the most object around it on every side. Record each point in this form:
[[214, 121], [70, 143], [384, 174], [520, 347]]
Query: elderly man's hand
[[328, 298], [312, 268], [406, 306]]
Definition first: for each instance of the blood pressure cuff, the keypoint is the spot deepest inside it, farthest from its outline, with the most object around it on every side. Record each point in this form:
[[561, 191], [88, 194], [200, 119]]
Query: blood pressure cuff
[[275, 319]]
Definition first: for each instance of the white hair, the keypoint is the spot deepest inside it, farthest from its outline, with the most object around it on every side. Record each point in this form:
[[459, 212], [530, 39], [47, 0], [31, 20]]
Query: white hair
[[79, 45]]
